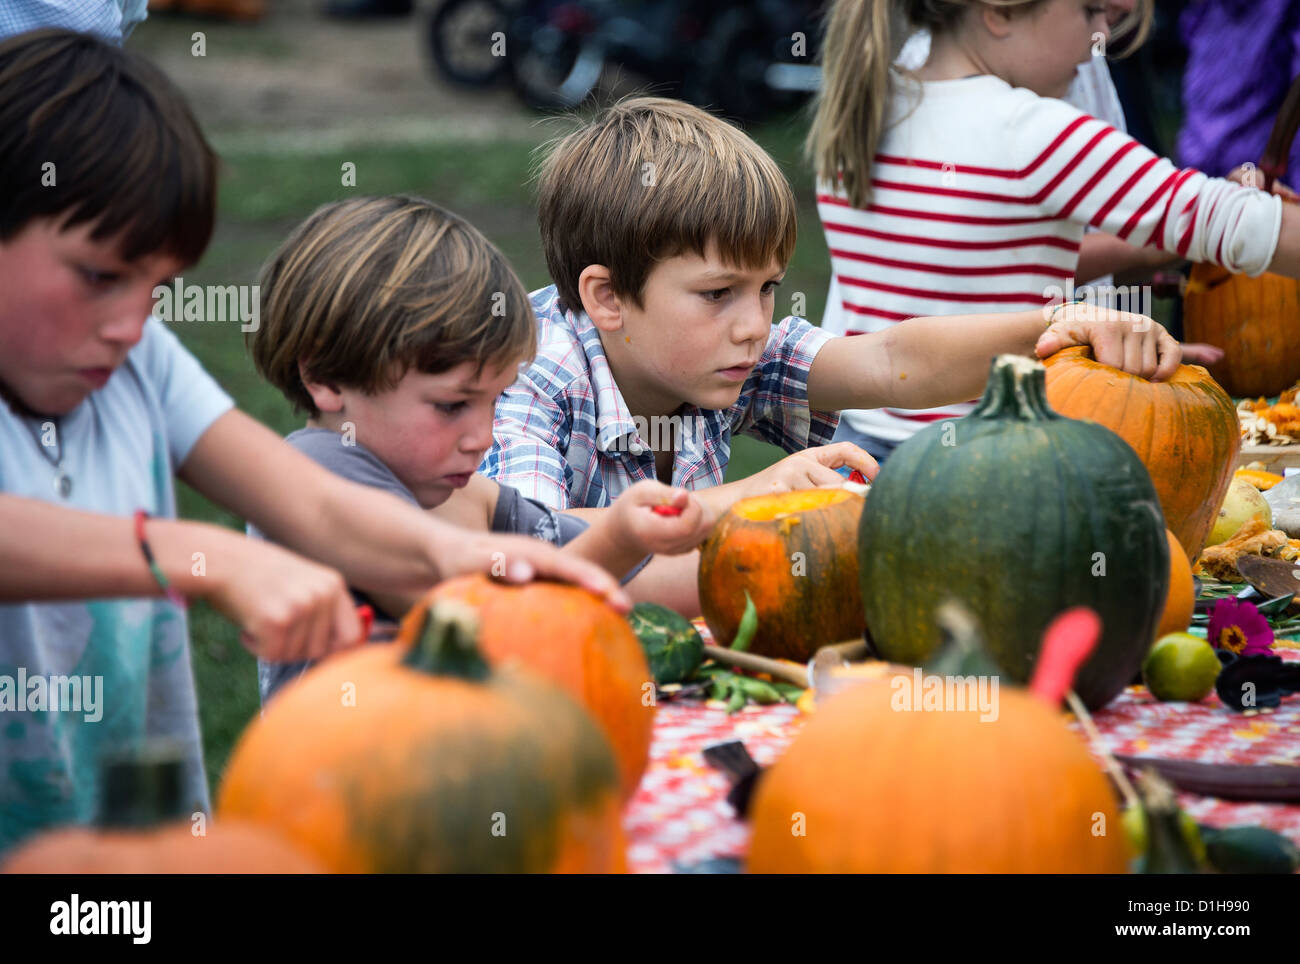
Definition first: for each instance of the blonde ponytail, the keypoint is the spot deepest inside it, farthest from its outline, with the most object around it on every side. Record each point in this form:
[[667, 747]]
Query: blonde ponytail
[[863, 38]]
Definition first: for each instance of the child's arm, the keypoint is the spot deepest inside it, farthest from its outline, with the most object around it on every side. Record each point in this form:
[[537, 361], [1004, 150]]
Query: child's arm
[[930, 362], [1102, 254], [672, 581], [293, 608], [378, 542]]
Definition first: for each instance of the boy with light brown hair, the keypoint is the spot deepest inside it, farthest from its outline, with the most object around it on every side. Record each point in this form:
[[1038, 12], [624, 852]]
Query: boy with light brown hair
[[667, 231], [394, 324]]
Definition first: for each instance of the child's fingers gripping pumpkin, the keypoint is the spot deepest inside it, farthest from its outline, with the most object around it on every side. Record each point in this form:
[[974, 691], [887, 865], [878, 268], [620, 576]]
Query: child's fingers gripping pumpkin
[[1120, 339]]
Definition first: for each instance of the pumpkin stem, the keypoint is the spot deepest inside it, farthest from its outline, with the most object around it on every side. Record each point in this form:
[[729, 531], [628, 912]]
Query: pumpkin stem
[[1017, 388], [1068, 641], [142, 790], [448, 643], [962, 652]]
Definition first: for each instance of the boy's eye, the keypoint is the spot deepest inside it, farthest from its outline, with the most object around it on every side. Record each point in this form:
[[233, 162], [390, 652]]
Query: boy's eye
[[717, 294], [98, 279], [450, 408], [770, 287]]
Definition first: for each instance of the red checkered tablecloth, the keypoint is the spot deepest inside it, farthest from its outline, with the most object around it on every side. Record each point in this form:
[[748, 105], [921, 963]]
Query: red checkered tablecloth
[[679, 815]]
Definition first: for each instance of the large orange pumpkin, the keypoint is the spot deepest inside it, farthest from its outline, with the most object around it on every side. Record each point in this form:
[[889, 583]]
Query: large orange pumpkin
[[796, 554], [872, 786], [1182, 591], [420, 758], [1253, 320], [571, 638], [1185, 431]]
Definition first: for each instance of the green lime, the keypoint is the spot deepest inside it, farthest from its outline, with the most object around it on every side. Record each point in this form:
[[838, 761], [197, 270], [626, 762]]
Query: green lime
[[1180, 666], [1135, 828]]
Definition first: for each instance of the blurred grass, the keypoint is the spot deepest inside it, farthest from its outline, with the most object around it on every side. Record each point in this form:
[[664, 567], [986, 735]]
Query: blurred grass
[[263, 195]]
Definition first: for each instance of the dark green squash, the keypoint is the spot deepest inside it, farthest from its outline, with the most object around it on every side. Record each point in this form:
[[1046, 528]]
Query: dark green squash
[[673, 646], [1019, 513], [1250, 850]]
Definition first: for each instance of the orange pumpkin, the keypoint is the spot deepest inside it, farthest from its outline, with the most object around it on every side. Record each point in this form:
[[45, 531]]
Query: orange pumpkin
[[1182, 591], [1258, 478], [571, 638], [227, 847], [1253, 320], [421, 758], [796, 554], [870, 788], [1185, 431]]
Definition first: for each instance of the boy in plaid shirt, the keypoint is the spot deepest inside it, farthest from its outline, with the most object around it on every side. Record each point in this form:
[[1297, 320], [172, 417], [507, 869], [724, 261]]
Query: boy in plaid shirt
[[666, 231]]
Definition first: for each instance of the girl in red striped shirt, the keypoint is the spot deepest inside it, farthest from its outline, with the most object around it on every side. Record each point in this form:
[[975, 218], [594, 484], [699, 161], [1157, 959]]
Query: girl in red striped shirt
[[966, 186]]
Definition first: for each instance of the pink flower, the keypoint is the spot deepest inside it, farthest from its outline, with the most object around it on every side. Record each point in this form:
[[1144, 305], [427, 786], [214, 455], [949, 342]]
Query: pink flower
[[1239, 628]]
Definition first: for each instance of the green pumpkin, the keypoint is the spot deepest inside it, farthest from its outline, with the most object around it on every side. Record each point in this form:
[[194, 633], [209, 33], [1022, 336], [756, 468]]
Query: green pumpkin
[[672, 645], [1019, 513]]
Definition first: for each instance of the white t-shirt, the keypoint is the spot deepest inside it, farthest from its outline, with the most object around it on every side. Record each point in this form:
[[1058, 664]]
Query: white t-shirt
[[120, 449]]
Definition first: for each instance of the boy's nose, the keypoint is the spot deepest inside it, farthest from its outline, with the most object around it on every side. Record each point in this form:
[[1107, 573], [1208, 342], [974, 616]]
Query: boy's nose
[[125, 327], [479, 438], [754, 323]]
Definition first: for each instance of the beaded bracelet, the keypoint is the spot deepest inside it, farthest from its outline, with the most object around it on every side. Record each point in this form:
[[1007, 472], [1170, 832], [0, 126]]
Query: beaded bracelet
[[168, 589], [1051, 319]]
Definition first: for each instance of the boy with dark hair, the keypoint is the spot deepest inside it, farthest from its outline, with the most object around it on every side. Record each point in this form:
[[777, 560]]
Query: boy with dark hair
[[109, 191]]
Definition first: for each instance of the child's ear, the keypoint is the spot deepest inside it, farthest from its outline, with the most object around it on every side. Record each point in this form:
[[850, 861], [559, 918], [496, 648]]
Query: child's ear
[[598, 299], [997, 21], [326, 397]]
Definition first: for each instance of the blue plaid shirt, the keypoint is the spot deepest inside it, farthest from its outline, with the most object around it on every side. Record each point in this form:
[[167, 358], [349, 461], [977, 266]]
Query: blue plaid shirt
[[563, 434], [111, 20]]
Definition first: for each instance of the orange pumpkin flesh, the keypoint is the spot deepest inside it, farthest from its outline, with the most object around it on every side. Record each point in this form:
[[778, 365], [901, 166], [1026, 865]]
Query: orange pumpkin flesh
[[226, 848], [1185, 430], [1259, 479], [571, 638], [796, 554], [1182, 594], [371, 765], [1253, 319], [868, 789]]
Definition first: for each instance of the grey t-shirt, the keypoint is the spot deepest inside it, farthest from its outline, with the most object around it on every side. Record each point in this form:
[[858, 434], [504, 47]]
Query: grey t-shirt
[[514, 513], [118, 450]]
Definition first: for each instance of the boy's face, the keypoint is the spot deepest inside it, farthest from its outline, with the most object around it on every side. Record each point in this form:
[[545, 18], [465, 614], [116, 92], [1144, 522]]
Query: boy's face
[[71, 310], [431, 430], [700, 331]]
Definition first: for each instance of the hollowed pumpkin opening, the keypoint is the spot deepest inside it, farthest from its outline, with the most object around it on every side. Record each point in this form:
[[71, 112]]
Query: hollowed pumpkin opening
[[764, 508]]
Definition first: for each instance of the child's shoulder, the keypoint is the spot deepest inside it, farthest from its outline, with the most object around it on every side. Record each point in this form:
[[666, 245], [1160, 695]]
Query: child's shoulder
[[342, 454]]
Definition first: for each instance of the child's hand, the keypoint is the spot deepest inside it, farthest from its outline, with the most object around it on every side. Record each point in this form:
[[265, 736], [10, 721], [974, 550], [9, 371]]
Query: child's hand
[[1252, 176], [812, 468], [521, 559], [288, 607], [1120, 339], [660, 519]]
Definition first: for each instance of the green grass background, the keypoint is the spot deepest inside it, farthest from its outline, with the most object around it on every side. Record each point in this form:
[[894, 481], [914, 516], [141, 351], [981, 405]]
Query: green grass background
[[263, 195]]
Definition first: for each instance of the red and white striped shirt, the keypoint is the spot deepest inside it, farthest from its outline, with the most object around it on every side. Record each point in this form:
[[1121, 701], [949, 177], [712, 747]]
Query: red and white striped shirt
[[980, 196]]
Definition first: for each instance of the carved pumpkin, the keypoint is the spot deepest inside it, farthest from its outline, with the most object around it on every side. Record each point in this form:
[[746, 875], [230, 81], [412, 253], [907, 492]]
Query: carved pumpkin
[[420, 758], [1181, 600], [796, 555], [1185, 431], [144, 827], [1019, 513], [1253, 320], [865, 788], [571, 638]]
